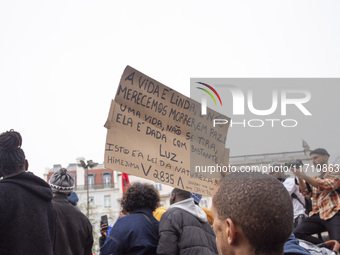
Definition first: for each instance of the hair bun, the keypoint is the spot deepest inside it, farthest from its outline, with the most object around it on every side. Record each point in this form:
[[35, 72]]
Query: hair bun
[[10, 140]]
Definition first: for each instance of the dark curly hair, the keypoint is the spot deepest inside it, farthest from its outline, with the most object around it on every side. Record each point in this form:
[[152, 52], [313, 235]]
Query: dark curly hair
[[12, 157], [138, 196], [260, 205]]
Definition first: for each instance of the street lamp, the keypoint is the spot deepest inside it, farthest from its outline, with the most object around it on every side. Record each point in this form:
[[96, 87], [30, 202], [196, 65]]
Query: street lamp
[[90, 164]]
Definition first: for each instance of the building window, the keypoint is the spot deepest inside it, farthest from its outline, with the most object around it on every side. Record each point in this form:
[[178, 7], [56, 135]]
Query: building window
[[91, 181], [106, 180], [107, 201]]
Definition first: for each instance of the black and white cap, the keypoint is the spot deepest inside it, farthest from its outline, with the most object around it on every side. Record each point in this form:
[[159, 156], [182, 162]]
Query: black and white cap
[[62, 182]]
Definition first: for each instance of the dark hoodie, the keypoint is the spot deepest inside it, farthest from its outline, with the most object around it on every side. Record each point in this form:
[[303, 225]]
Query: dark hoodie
[[27, 217]]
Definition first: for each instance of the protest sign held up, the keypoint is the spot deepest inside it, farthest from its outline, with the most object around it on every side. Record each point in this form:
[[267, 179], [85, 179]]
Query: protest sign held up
[[159, 134]]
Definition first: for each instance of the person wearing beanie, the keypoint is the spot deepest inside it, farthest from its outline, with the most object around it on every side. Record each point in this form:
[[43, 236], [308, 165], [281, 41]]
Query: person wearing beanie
[[324, 191], [197, 197], [74, 230], [27, 217]]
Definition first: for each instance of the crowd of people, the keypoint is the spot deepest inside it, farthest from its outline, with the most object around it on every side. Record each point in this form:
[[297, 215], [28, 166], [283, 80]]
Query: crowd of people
[[251, 213]]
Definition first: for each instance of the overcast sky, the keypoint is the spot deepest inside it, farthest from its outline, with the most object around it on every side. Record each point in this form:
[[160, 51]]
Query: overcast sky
[[61, 61]]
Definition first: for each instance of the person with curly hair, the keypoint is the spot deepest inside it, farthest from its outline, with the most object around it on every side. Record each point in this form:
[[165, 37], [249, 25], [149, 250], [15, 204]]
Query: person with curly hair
[[27, 217], [136, 232]]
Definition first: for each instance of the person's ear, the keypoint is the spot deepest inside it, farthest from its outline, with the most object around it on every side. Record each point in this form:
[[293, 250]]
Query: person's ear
[[326, 158], [173, 197], [26, 165], [231, 233]]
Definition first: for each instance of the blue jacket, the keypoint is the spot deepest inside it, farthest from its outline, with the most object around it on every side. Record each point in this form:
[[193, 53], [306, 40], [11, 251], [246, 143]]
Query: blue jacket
[[292, 247], [133, 234]]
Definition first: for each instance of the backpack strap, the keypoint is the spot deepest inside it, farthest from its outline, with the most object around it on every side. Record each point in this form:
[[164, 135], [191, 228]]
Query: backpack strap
[[147, 218], [293, 195], [283, 179]]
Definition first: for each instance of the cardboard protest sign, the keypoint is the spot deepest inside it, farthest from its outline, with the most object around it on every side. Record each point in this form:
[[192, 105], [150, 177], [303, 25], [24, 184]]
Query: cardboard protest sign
[[155, 132]]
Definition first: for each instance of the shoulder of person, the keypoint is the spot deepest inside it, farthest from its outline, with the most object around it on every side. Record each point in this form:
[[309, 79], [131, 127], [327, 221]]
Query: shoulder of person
[[173, 210], [130, 218], [290, 181], [288, 178], [172, 213], [125, 225]]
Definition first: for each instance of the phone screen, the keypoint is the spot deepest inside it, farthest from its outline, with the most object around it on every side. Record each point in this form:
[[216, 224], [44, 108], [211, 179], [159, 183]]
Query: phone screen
[[104, 219]]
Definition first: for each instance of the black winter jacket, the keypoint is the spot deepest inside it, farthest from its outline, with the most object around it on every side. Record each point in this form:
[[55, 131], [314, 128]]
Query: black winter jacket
[[27, 217], [184, 230], [74, 230]]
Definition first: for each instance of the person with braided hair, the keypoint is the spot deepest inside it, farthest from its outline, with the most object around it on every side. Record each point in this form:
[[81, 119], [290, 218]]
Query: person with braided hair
[[27, 216]]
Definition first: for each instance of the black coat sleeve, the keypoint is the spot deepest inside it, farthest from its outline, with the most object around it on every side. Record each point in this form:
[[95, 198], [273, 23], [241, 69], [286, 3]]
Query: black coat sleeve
[[169, 233]]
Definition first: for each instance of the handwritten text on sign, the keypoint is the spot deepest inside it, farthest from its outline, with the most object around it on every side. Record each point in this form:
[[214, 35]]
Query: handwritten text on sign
[[154, 132]]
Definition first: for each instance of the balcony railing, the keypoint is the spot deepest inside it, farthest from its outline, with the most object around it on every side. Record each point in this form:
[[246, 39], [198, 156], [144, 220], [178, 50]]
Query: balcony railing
[[268, 158], [95, 186]]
